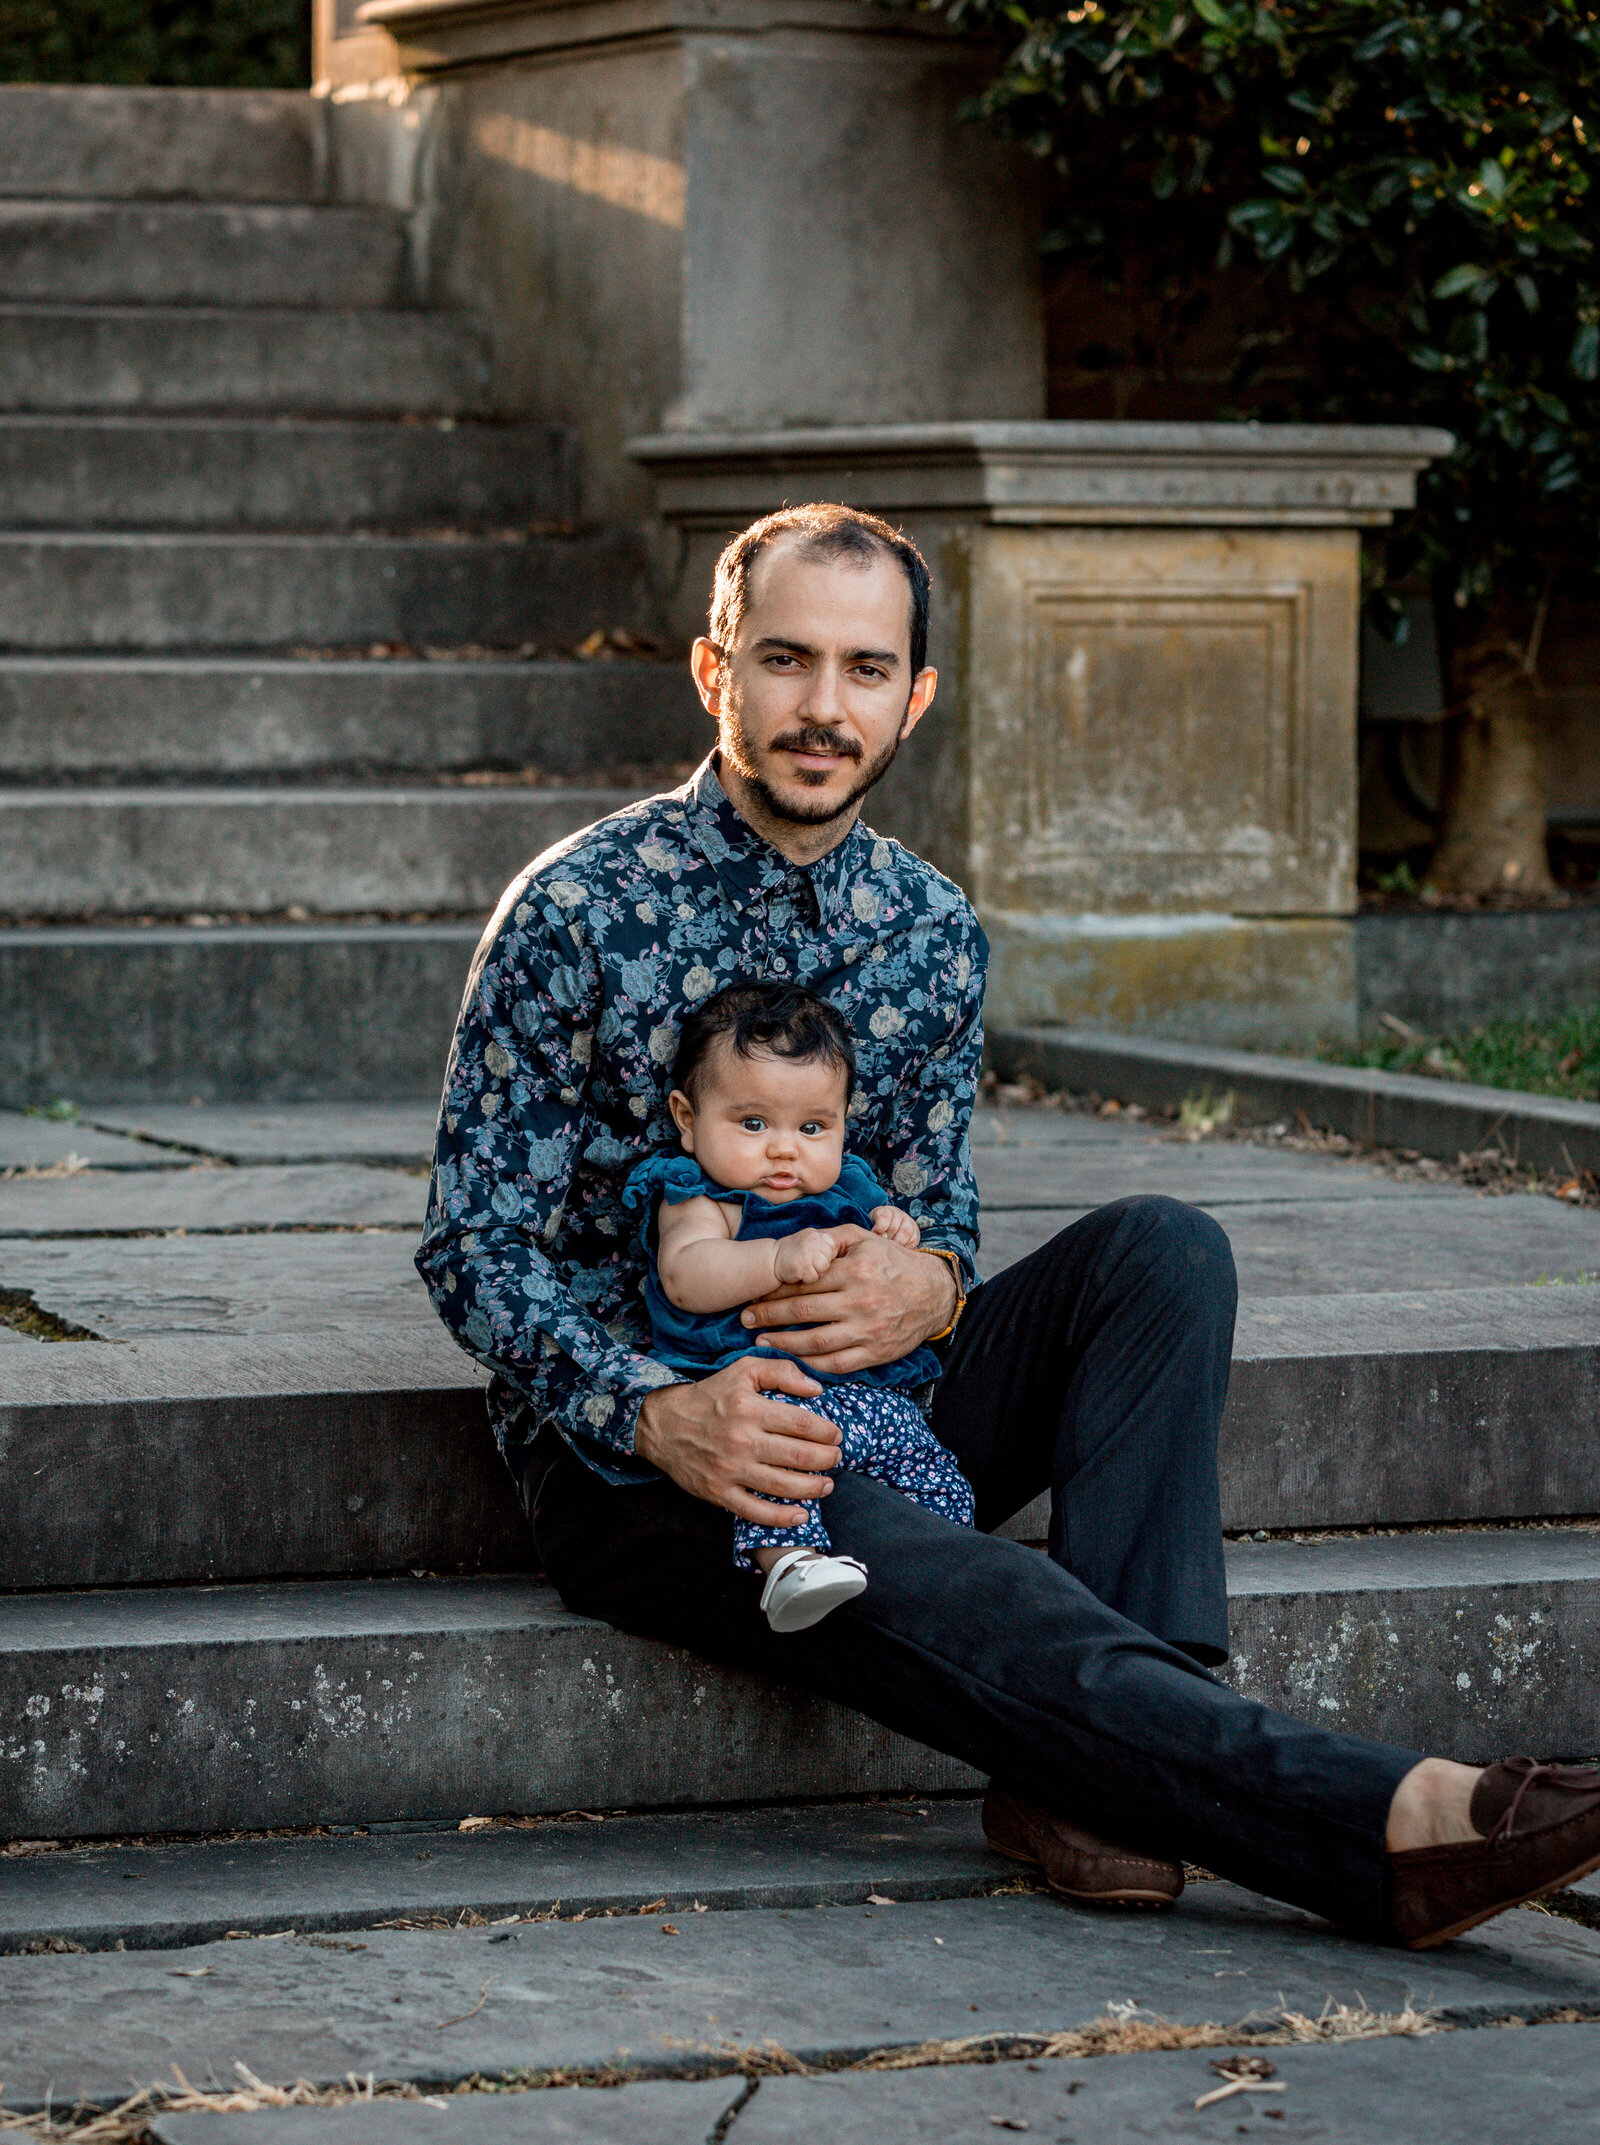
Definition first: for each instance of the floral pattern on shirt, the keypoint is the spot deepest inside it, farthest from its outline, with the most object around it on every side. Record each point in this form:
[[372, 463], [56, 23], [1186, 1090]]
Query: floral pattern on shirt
[[558, 1080]]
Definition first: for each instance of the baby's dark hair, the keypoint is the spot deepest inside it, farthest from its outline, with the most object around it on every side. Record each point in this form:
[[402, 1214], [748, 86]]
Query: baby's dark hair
[[778, 1017]]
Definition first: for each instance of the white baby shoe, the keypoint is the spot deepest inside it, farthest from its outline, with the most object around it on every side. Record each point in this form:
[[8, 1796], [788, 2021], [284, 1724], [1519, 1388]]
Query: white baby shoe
[[803, 1587]]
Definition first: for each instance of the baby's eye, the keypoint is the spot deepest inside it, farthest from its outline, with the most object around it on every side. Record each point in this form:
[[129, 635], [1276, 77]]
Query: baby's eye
[[752, 1124], [811, 1128]]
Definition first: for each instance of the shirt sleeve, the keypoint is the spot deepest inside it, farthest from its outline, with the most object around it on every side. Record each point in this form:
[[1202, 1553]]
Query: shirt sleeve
[[512, 1130], [926, 1156]]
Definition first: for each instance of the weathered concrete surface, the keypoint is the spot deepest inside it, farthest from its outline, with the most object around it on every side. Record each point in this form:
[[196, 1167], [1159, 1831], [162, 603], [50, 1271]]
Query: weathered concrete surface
[[147, 253], [129, 1288], [159, 144], [680, 2112], [1470, 1645], [202, 1709], [820, 1984], [199, 1709], [1212, 1174], [1454, 969], [397, 1134], [1437, 1117], [113, 1896], [359, 1012], [168, 852], [201, 1457], [220, 718], [1436, 2089], [45, 1143], [211, 1198], [1305, 1248], [152, 591], [263, 473], [60, 357]]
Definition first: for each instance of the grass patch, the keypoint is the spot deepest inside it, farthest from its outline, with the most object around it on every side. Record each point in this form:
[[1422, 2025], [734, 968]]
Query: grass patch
[[1538, 1057]]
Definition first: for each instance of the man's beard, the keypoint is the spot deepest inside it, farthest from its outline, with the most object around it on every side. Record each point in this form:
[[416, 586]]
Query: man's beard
[[805, 737]]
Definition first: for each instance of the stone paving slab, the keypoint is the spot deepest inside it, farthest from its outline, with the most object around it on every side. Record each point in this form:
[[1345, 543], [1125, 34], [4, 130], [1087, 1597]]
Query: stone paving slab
[[395, 1133], [42, 1143], [201, 1449], [203, 1198], [174, 1893], [1333, 1247], [1206, 1173], [683, 2112], [823, 1984], [202, 1709], [1499, 2088], [126, 1288]]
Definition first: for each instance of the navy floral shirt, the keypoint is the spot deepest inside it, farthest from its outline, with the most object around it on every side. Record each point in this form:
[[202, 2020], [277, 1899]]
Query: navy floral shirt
[[557, 1085]]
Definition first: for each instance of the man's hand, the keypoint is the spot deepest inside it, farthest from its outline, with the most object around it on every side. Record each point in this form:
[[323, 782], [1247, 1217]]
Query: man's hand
[[805, 1256], [724, 1440], [876, 1303]]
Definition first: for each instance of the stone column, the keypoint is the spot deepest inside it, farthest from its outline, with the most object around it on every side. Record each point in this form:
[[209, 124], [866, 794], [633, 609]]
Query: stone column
[[705, 214], [1141, 764]]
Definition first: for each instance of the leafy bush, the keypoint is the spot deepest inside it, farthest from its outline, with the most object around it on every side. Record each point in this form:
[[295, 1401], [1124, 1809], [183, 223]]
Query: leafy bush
[[1412, 188], [225, 44]]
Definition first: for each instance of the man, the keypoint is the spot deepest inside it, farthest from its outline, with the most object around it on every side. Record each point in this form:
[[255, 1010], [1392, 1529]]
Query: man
[[1096, 1367]]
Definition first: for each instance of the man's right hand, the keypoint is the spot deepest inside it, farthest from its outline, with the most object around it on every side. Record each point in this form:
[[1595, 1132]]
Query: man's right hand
[[722, 1439]]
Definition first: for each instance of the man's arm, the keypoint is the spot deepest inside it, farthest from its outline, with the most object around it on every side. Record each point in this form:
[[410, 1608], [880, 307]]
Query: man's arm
[[511, 1132]]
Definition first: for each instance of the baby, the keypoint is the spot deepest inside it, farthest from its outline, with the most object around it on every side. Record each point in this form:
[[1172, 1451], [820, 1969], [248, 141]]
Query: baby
[[761, 1085]]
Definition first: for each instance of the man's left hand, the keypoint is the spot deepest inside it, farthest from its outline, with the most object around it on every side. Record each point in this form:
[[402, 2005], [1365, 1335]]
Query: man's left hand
[[875, 1304]]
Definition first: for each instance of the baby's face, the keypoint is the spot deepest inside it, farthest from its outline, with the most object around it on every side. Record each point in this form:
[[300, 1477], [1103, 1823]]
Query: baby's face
[[765, 1124]]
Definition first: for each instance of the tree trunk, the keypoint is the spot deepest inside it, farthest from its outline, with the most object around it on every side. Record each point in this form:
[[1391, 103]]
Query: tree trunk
[[1492, 804]]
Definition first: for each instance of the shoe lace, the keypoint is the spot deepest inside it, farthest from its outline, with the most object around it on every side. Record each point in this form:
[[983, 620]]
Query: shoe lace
[[1556, 1776]]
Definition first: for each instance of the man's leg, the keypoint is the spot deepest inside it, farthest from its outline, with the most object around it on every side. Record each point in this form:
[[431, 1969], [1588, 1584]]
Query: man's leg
[[1096, 1368], [1001, 1657]]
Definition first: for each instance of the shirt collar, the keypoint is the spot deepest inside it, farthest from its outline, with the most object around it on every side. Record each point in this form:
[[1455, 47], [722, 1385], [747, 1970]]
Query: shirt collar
[[749, 868]]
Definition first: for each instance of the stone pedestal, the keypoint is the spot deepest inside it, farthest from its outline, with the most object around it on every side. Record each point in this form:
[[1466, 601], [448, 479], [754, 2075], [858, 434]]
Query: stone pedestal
[[702, 214], [1142, 761]]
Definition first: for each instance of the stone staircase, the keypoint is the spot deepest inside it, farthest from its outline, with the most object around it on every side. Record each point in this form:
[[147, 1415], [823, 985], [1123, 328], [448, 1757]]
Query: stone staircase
[[287, 617]]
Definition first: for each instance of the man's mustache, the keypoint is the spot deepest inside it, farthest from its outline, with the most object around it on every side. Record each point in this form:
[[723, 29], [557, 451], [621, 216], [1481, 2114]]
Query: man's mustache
[[816, 741]]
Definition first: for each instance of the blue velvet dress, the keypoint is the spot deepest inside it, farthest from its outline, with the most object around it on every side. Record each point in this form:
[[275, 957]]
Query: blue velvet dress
[[881, 1429]]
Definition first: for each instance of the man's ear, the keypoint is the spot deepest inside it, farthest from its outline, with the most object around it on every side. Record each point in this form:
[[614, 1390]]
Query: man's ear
[[683, 1117], [705, 665], [923, 687]]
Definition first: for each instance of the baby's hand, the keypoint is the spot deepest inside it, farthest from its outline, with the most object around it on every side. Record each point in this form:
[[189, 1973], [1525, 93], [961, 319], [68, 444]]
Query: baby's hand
[[805, 1256], [897, 1225]]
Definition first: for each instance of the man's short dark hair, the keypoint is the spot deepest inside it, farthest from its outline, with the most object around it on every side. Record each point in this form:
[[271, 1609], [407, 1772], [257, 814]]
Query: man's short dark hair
[[777, 1017], [825, 532]]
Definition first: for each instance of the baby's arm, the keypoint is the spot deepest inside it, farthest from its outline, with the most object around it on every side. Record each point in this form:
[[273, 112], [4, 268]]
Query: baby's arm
[[704, 1269], [894, 1223]]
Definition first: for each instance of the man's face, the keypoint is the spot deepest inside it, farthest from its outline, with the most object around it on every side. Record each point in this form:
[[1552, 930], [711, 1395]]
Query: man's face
[[816, 695]]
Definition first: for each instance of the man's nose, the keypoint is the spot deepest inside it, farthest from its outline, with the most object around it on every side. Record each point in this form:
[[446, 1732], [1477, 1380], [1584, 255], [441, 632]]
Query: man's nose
[[824, 702]]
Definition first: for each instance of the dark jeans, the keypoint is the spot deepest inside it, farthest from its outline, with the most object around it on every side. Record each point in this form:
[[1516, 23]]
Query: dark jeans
[[1096, 1368]]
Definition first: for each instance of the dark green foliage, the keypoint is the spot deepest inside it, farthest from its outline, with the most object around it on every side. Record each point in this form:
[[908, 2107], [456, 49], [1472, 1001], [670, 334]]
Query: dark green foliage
[[196, 44], [1552, 1057], [1412, 188]]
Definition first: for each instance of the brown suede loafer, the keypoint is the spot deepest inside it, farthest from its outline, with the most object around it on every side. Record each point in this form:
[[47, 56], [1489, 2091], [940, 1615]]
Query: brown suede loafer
[[1541, 1830], [1074, 1862]]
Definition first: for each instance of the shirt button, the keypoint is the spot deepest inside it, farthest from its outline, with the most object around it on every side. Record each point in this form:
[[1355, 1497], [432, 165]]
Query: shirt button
[[779, 964]]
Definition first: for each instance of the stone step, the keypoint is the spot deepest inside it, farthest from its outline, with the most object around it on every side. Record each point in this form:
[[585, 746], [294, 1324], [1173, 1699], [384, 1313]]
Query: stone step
[[1466, 1406], [155, 1897], [150, 358], [181, 253], [286, 1012], [103, 144], [146, 593], [281, 473], [199, 1709], [219, 719], [75, 852], [742, 1993]]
